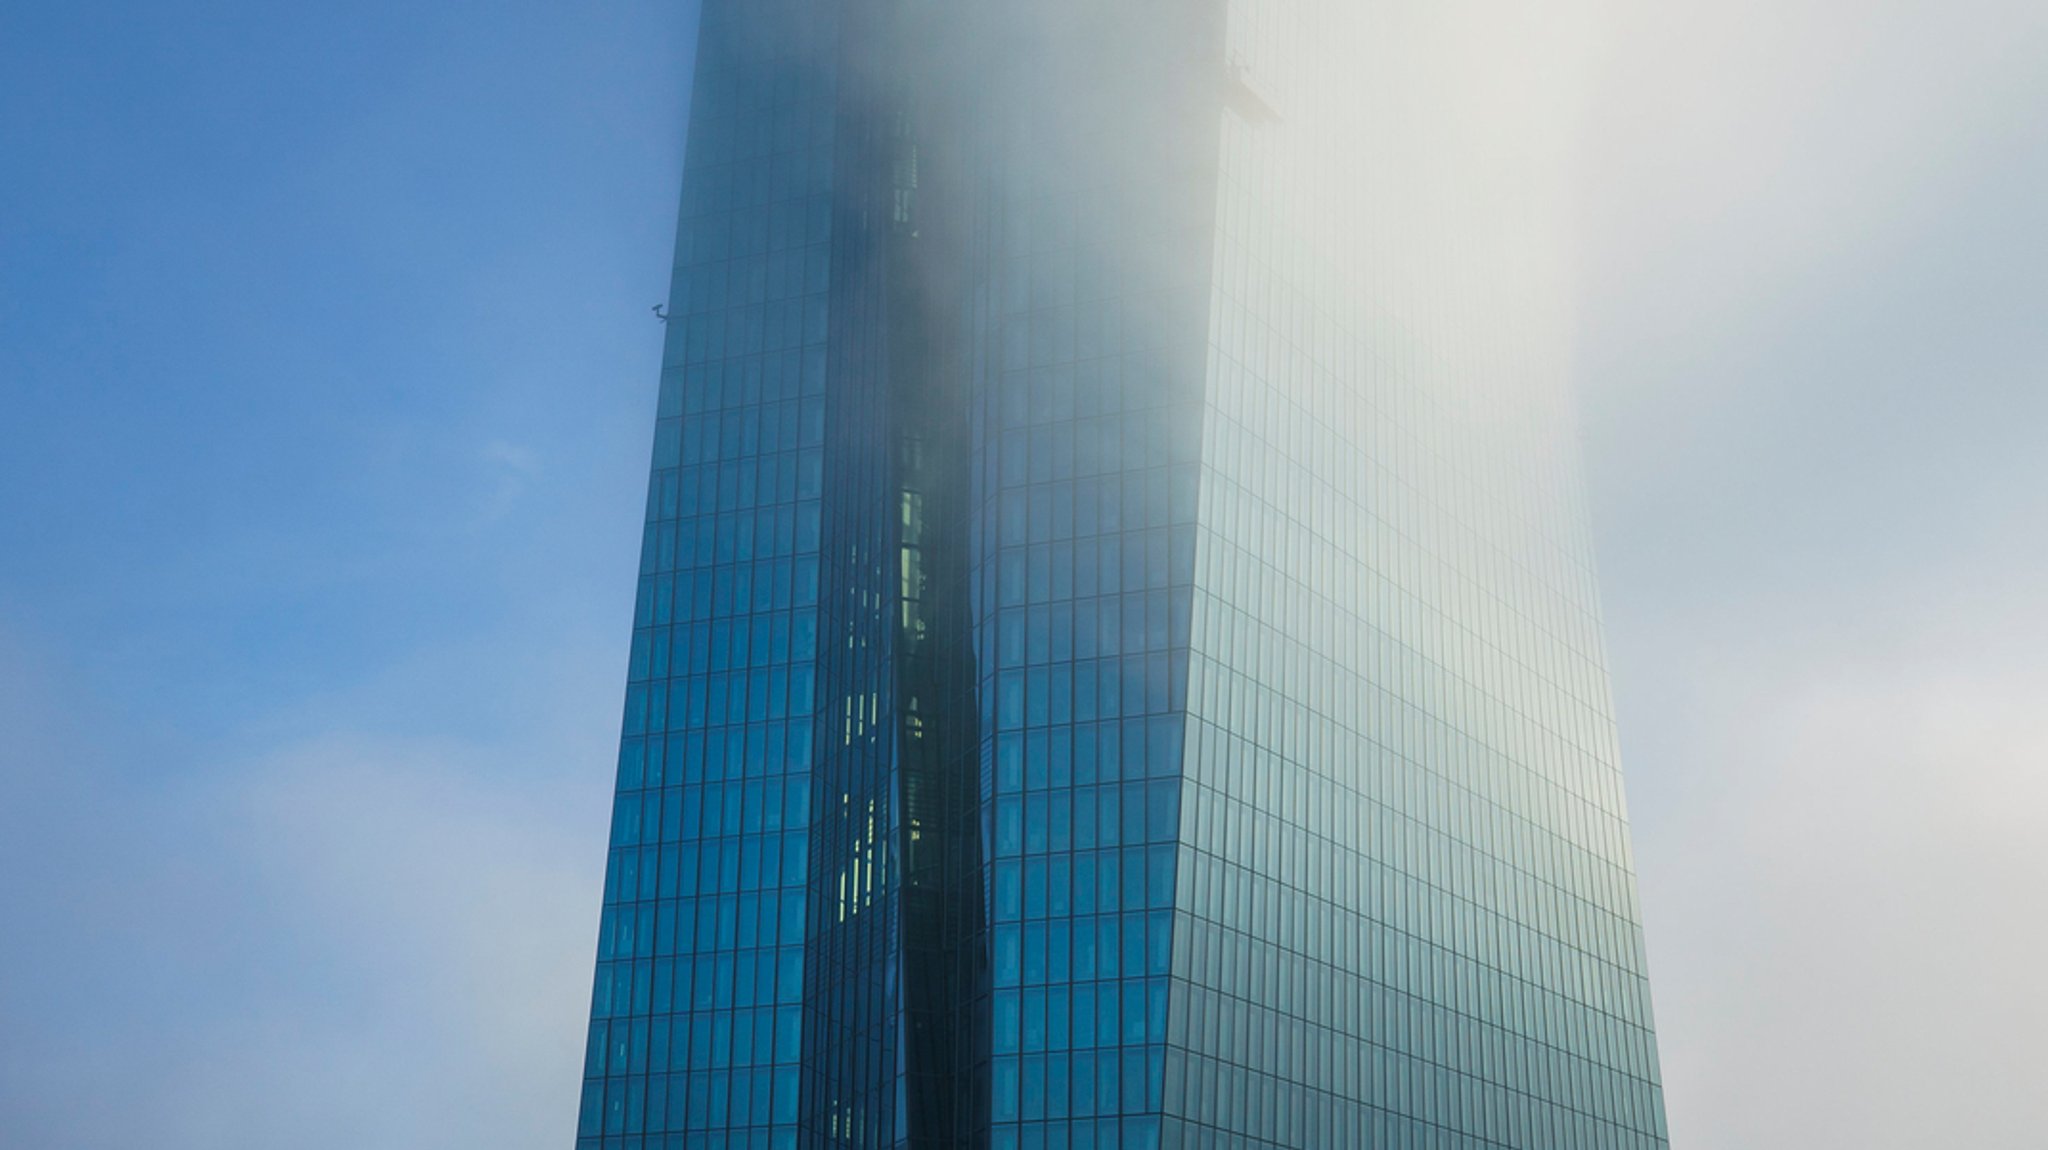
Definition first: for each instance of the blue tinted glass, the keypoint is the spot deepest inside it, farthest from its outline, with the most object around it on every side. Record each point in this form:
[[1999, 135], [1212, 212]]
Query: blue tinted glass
[[1116, 662]]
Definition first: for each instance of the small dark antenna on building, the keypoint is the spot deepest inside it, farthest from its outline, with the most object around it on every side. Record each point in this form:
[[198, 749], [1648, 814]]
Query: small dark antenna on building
[[661, 313], [1241, 97]]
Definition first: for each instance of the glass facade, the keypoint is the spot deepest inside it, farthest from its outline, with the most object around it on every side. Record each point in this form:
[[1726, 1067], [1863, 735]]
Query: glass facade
[[698, 1016], [1407, 903], [1117, 659]]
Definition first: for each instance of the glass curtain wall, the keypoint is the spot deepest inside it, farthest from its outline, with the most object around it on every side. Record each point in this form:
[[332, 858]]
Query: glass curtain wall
[[1117, 663]]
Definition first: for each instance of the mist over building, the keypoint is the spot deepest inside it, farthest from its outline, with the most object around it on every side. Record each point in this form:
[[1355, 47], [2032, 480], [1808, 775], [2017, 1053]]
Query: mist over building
[[1117, 661]]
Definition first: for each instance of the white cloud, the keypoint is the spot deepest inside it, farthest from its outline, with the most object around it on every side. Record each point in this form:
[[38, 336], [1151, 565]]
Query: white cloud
[[1742, 150], [1841, 944], [508, 467], [344, 940], [1815, 268]]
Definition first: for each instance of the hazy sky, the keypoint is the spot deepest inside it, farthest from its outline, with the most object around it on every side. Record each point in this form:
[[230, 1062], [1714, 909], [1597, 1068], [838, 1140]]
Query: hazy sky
[[325, 379]]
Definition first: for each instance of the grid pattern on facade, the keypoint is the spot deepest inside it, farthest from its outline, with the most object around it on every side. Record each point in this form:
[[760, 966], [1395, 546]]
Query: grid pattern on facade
[[1086, 422], [697, 1021], [1117, 661], [1408, 911]]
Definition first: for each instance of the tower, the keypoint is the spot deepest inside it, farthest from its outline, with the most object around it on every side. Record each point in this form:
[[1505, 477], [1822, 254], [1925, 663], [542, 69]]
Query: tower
[[1117, 661]]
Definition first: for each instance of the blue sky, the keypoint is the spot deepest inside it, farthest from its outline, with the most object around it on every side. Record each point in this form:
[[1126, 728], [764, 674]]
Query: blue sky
[[327, 363], [327, 370]]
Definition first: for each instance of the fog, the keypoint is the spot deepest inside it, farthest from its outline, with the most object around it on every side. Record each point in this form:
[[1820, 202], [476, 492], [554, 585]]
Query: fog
[[1813, 378], [328, 367]]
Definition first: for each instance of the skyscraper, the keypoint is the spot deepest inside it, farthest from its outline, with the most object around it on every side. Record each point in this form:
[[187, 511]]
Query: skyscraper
[[1117, 661]]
